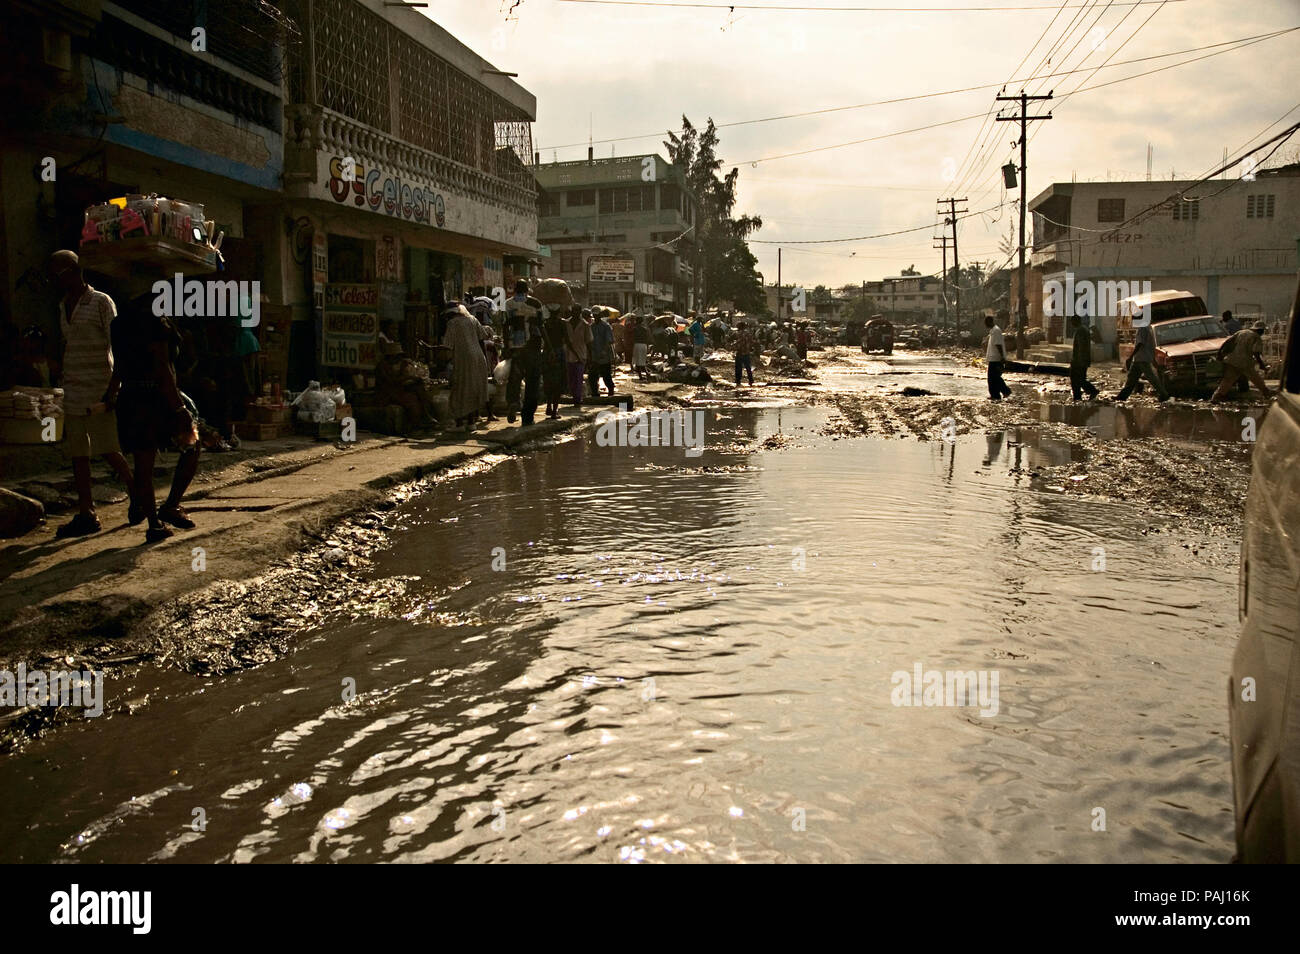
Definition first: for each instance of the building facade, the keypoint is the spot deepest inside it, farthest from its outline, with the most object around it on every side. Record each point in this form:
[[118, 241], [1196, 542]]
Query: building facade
[[619, 231], [360, 162], [1230, 241]]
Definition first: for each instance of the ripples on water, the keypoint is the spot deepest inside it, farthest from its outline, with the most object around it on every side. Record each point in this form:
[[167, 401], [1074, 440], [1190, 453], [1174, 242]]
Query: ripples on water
[[687, 664]]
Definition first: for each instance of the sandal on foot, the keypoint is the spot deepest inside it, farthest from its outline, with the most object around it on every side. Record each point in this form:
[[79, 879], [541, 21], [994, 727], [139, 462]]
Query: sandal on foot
[[156, 534], [177, 517]]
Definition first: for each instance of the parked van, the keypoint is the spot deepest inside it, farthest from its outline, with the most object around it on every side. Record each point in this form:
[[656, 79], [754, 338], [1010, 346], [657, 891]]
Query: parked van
[[1264, 687]]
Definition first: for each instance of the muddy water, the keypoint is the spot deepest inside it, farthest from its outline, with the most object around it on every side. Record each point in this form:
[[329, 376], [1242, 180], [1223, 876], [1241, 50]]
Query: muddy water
[[693, 659]]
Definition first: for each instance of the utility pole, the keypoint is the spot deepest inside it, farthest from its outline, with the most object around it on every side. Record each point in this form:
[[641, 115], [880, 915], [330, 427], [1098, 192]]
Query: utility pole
[[1022, 306], [944, 275], [951, 219], [780, 305]]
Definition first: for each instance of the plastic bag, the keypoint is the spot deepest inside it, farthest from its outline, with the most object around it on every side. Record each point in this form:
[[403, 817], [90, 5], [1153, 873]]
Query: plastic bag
[[501, 373]]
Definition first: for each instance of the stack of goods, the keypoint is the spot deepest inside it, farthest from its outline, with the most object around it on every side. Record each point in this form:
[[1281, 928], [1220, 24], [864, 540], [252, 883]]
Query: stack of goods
[[24, 411], [148, 215]]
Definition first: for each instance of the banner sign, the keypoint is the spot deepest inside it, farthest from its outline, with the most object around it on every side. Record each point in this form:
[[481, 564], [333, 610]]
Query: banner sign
[[612, 270], [369, 187], [351, 326]]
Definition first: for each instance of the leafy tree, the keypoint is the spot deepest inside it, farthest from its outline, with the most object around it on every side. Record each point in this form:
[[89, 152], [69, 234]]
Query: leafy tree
[[721, 271]]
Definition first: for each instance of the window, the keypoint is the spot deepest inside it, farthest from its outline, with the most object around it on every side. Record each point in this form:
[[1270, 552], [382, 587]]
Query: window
[[571, 261], [575, 198], [670, 196], [1110, 210], [627, 199], [1260, 206], [547, 204], [1187, 210]]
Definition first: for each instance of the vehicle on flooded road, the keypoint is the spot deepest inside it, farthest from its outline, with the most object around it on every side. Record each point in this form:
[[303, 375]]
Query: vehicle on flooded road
[[878, 335], [1187, 353], [1264, 685], [1187, 338]]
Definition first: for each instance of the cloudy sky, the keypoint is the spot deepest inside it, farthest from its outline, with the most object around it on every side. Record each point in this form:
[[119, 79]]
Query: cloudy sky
[[627, 72]]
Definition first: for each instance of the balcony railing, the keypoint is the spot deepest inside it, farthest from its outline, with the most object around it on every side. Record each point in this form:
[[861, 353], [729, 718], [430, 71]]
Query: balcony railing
[[313, 130]]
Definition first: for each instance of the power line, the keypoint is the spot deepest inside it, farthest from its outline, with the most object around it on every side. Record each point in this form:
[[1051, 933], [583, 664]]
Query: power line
[[856, 238], [962, 119], [806, 9], [918, 96]]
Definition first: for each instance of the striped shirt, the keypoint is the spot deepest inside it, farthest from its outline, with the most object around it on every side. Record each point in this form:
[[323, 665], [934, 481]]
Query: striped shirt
[[87, 354]]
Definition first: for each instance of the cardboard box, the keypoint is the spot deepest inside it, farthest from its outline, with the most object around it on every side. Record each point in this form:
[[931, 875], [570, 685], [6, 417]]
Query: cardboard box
[[341, 411], [268, 414]]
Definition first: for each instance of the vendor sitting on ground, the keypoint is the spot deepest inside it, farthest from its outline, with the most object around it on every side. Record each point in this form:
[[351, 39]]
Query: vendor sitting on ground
[[404, 382]]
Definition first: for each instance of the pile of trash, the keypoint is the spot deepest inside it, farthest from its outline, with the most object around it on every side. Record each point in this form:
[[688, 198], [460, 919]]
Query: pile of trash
[[687, 374], [319, 405]]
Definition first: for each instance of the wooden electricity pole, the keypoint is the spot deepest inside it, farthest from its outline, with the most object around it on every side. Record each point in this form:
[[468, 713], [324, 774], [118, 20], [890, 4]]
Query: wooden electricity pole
[[944, 275], [1022, 307], [951, 219]]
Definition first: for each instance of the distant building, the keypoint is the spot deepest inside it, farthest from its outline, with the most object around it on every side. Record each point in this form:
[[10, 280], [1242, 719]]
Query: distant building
[[1230, 241], [907, 297], [620, 231]]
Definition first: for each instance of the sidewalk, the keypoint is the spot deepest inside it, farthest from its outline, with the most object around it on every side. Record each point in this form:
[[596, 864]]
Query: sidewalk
[[64, 596]]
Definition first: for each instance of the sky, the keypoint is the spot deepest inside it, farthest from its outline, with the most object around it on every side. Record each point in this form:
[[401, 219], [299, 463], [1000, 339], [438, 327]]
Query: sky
[[629, 72]]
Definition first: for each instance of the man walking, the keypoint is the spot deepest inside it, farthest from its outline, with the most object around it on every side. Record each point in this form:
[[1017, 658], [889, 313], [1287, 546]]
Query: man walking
[[602, 355], [90, 424], [995, 355], [152, 413], [696, 331], [1241, 353], [577, 348], [1143, 364], [744, 352], [1081, 359], [642, 339], [523, 346]]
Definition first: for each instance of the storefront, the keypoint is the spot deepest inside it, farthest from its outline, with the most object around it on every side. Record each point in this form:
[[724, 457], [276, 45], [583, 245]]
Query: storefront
[[384, 248]]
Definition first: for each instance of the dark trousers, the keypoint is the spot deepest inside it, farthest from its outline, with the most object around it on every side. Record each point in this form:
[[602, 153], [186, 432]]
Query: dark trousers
[[743, 361], [997, 387], [532, 373], [1140, 369], [597, 373], [1079, 382]]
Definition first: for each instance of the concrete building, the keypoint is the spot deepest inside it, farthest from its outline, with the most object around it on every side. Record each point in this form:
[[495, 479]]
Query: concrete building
[[619, 231], [907, 298], [361, 162], [1230, 241]]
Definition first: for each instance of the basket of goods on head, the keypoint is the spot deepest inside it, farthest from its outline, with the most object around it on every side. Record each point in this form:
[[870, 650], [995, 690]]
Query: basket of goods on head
[[152, 231], [553, 291], [31, 415]]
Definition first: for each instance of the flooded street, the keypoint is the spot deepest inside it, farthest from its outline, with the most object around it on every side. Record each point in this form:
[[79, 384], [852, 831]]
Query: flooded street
[[629, 654]]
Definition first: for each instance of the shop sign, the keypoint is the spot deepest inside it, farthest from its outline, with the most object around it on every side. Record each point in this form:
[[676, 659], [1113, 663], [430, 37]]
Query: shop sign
[[611, 270], [350, 328], [388, 259], [368, 187], [319, 267]]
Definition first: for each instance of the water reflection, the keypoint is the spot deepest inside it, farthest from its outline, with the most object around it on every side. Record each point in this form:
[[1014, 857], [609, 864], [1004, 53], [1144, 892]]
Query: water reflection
[[629, 655]]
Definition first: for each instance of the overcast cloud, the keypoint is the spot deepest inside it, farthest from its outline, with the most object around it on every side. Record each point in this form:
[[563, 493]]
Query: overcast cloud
[[622, 71]]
